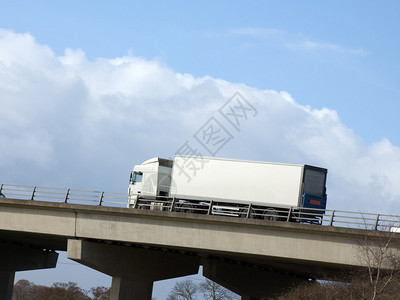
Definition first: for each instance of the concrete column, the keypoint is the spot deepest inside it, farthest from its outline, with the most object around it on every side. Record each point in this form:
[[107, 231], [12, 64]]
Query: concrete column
[[133, 269], [6, 284], [246, 281], [123, 289], [21, 258]]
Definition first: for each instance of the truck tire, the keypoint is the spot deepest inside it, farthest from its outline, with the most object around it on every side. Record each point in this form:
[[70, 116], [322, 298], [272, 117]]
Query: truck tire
[[187, 207], [271, 214], [244, 212]]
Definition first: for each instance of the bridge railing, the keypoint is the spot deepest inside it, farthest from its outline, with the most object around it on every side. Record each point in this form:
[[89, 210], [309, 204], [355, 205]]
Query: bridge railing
[[64, 195], [336, 218]]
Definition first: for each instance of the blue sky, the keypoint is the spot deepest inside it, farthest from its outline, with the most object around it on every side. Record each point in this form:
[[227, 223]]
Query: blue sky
[[90, 88]]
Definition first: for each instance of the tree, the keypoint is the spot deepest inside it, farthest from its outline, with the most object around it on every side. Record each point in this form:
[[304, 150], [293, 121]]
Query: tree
[[380, 252], [100, 293], [25, 290], [22, 290], [214, 291], [183, 290], [315, 290], [69, 291], [188, 290]]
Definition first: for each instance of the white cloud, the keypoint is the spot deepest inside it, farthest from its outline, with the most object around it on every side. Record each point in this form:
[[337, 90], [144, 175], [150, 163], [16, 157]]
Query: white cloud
[[295, 42], [71, 122], [314, 46], [259, 33]]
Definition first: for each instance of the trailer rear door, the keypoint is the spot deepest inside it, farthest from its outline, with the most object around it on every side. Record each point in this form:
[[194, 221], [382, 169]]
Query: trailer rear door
[[314, 187]]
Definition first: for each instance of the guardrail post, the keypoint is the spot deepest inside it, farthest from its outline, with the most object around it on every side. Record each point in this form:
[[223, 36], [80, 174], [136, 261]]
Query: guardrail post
[[377, 222], [209, 212], [172, 204], [332, 216], [66, 196], [101, 198], [33, 193], [248, 211], [289, 214]]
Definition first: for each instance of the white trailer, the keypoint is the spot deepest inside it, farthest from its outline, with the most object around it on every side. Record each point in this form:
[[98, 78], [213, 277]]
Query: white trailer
[[229, 187]]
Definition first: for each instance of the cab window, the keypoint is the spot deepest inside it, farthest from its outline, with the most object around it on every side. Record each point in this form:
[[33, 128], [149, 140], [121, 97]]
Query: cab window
[[137, 177]]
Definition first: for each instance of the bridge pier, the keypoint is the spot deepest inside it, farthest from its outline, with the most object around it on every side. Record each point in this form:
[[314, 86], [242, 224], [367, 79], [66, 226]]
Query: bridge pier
[[123, 289], [6, 283], [21, 258], [133, 269], [248, 282]]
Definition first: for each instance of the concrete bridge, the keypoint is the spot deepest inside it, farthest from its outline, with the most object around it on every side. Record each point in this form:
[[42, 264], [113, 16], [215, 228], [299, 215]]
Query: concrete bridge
[[253, 258]]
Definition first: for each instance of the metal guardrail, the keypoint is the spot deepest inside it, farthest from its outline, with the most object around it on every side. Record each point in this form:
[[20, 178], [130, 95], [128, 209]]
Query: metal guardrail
[[336, 218], [61, 195]]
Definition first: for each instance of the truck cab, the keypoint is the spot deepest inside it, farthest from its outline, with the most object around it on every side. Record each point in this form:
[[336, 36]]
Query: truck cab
[[150, 179]]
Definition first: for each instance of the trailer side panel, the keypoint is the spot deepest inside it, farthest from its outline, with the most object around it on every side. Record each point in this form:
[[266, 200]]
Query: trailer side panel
[[259, 183]]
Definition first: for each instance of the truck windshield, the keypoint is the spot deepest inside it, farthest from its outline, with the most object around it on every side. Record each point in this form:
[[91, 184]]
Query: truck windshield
[[137, 177]]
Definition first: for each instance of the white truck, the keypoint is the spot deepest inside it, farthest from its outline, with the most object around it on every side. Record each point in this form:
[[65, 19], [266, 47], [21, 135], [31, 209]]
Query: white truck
[[229, 187]]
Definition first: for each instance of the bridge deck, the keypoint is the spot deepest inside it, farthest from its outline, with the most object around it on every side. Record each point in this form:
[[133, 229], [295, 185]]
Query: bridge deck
[[301, 249]]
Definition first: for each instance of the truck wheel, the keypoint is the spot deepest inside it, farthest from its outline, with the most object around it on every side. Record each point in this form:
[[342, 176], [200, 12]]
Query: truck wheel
[[271, 214], [143, 206], [187, 207], [243, 213]]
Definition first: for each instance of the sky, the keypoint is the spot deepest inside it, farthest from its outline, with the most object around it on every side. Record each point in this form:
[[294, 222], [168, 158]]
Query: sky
[[90, 88]]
